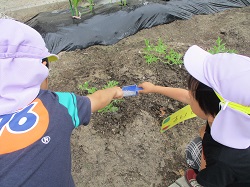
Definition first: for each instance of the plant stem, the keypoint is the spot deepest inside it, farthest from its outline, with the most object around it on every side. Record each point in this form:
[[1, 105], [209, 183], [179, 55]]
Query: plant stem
[[76, 11], [71, 9]]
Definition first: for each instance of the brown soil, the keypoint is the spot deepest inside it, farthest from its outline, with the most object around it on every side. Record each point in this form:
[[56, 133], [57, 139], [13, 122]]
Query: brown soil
[[126, 148]]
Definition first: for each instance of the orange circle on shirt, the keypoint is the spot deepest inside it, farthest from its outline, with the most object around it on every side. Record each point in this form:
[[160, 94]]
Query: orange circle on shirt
[[35, 117]]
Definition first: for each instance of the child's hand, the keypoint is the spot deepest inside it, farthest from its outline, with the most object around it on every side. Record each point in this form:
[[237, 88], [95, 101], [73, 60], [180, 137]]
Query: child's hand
[[102, 98], [119, 92], [147, 87]]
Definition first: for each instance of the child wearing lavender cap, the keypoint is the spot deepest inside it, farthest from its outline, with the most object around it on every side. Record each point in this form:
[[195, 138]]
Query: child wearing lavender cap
[[218, 92], [35, 123]]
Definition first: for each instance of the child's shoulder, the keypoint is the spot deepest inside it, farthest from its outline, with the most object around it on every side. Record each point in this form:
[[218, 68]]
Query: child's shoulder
[[46, 94], [65, 98]]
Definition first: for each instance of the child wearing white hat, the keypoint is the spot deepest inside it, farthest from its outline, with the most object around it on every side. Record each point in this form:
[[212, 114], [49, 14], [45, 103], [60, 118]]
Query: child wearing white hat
[[218, 92], [36, 124]]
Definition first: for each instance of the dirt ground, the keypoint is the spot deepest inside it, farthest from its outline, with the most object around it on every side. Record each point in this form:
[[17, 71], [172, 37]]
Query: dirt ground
[[126, 148]]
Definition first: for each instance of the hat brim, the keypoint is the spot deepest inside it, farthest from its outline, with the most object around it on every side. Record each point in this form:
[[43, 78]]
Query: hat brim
[[231, 131], [194, 60], [52, 58], [18, 88]]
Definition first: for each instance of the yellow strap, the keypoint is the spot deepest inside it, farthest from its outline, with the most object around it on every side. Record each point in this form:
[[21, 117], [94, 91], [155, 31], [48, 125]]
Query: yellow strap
[[235, 106]]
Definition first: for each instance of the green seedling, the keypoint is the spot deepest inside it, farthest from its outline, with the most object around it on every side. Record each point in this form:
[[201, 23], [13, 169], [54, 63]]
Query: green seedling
[[74, 4], [123, 2], [85, 86], [161, 53], [74, 8], [91, 5], [110, 84], [220, 48], [174, 57], [112, 106]]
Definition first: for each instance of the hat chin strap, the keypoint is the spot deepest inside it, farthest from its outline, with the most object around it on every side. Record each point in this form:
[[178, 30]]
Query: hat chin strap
[[224, 103]]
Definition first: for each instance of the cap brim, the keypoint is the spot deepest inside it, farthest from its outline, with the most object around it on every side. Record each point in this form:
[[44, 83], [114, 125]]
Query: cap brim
[[52, 58], [194, 60], [231, 128], [20, 90]]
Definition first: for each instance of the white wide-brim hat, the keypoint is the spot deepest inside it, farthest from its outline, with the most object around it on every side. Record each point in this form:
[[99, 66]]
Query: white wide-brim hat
[[229, 76], [21, 70]]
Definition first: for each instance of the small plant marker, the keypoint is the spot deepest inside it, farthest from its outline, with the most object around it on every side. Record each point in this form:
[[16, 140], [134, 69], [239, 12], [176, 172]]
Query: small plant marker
[[177, 117]]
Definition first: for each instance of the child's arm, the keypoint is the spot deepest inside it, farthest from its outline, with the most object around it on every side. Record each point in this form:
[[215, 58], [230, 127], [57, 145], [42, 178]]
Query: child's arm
[[102, 98], [178, 94]]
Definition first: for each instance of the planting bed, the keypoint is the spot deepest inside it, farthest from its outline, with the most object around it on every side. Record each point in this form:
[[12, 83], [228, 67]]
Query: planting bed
[[126, 148]]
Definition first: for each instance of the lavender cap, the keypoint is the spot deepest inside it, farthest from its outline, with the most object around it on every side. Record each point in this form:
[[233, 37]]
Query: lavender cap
[[228, 75], [21, 72]]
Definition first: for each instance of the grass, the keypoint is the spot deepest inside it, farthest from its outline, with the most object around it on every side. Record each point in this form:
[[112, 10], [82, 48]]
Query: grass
[[112, 107]]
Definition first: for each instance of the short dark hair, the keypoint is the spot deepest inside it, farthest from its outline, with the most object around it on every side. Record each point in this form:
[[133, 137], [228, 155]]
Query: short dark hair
[[205, 96], [47, 62]]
